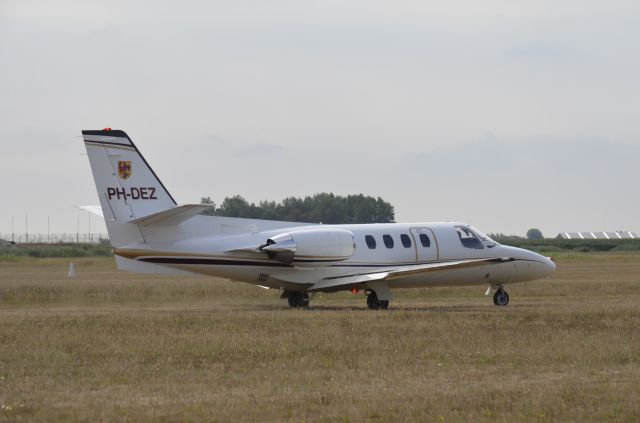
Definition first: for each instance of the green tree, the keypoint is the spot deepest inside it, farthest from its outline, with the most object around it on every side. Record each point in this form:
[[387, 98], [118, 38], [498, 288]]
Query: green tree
[[209, 201], [236, 206], [534, 234], [323, 207]]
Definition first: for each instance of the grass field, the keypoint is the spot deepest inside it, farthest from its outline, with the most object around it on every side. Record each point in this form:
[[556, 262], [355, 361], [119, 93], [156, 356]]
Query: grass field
[[110, 346]]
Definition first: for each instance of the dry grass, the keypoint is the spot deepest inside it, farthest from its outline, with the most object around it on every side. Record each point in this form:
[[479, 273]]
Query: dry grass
[[114, 346]]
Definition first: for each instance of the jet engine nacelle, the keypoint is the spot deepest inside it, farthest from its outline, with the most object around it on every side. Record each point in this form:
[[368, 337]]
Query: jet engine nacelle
[[312, 247]]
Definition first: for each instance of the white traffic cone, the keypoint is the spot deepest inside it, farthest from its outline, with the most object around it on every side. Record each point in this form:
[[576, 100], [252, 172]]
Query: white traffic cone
[[72, 270]]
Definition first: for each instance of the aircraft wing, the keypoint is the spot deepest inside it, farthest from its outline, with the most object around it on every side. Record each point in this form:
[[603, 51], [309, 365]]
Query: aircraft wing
[[389, 274]]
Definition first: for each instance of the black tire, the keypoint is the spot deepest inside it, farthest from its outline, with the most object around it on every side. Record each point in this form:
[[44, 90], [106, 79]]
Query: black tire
[[298, 299], [374, 303], [292, 299], [501, 298]]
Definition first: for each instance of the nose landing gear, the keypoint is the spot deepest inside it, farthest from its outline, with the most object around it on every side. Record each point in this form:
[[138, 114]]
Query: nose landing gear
[[500, 298]]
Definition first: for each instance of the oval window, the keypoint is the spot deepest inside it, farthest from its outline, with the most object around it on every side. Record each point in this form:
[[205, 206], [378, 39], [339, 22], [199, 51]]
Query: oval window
[[425, 241], [371, 241]]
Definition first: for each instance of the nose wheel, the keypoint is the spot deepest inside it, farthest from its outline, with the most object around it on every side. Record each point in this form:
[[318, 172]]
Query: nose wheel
[[501, 298]]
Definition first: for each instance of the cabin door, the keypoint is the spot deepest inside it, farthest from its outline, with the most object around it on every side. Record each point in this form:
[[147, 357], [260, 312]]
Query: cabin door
[[426, 244]]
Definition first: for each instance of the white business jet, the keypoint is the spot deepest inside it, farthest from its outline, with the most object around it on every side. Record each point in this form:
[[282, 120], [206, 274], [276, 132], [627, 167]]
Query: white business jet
[[150, 233]]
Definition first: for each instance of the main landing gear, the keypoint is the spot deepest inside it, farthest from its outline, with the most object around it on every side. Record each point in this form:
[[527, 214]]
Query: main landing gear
[[500, 298], [298, 299], [374, 303], [301, 300]]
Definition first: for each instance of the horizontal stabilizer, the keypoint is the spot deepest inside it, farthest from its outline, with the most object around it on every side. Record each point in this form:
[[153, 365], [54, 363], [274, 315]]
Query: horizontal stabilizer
[[172, 216], [97, 210], [400, 272]]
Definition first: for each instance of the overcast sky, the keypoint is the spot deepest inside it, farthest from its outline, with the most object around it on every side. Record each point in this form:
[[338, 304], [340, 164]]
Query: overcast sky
[[507, 115]]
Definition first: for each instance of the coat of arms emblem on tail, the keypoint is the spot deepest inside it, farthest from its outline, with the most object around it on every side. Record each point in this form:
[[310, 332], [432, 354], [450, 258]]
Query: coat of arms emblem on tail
[[124, 169]]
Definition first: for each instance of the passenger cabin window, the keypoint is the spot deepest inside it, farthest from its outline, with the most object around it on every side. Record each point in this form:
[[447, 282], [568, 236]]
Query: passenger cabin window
[[406, 241], [425, 241], [468, 238], [388, 241], [371, 241]]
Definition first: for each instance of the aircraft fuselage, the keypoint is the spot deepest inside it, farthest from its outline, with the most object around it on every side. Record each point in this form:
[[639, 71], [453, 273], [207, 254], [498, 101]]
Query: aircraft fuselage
[[211, 256]]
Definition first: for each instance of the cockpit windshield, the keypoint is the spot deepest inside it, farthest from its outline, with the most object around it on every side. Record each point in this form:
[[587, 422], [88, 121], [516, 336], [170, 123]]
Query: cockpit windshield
[[486, 239], [472, 238]]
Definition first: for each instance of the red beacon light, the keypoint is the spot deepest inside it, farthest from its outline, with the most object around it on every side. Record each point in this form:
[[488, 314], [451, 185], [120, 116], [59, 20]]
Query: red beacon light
[[107, 129], [354, 290]]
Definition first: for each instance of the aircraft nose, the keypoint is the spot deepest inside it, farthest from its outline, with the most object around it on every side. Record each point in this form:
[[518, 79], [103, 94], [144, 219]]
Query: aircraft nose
[[551, 265], [547, 266], [541, 267]]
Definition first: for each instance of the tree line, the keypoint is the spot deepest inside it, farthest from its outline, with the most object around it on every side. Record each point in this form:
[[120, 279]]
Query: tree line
[[324, 207]]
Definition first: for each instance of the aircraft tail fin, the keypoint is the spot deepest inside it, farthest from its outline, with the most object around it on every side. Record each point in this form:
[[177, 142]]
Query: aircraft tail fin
[[128, 188]]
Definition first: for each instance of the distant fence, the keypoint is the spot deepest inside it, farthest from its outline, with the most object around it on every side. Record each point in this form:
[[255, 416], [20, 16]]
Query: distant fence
[[55, 238]]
